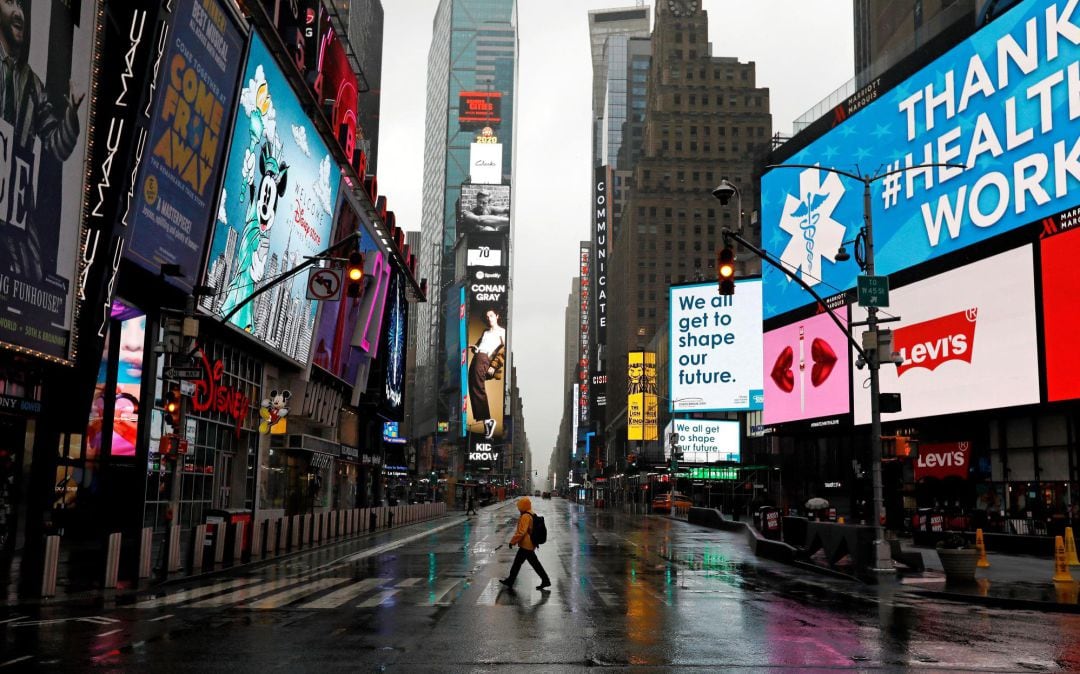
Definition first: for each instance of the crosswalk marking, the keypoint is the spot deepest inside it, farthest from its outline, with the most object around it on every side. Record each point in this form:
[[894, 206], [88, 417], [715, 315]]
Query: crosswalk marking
[[340, 597], [249, 592], [440, 596], [186, 595], [409, 582], [490, 593], [279, 599], [378, 599]]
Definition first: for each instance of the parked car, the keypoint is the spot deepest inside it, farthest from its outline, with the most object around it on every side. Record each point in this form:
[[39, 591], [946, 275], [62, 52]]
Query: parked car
[[665, 502]]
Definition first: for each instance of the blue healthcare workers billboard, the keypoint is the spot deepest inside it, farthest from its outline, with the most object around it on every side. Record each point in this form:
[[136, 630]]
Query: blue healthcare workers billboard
[[276, 208], [1004, 103], [188, 136]]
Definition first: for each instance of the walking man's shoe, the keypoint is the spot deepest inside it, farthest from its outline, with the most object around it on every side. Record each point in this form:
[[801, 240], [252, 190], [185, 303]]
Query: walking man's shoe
[[507, 582], [544, 585]]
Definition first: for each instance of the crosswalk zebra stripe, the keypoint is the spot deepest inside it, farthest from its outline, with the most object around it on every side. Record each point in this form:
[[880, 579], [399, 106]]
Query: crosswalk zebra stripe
[[279, 599], [490, 593], [250, 592], [187, 595], [441, 595], [381, 598], [409, 582], [340, 597]]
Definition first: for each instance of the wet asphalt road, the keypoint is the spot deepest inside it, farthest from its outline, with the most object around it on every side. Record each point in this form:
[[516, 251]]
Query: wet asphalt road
[[630, 591]]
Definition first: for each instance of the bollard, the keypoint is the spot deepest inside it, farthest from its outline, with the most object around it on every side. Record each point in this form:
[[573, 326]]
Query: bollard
[[1061, 566], [294, 530], [198, 547], [1070, 548], [112, 560], [318, 522], [980, 545], [283, 535], [174, 548], [257, 538], [219, 542], [373, 520], [146, 544], [305, 531], [238, 543], [52, 559], [334, 524]]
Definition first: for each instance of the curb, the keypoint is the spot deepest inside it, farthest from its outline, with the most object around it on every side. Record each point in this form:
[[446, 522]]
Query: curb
[[1000, 602]]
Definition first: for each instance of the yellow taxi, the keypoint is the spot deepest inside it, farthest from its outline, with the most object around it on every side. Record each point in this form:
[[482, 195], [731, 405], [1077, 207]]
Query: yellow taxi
[[666, 502]]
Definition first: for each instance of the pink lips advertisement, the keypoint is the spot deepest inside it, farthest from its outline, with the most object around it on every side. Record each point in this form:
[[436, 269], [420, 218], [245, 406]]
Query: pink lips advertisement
[[806, 371]]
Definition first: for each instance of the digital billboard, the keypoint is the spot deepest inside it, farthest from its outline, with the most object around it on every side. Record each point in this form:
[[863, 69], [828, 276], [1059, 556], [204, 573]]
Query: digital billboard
[[715, 347], [484, 208], [598, 309], [276, 208], [1061, 320], [942, 459], [1002, 103], [642, 403], [806, 370], [174, 197], [703, 440], [585, 304], [394, 336], [484, 350], [485, 163], [479, 108], [43, 169], [970, 348]]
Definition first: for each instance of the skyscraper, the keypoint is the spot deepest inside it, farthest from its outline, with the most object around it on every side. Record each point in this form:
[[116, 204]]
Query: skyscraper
[[706, 119], [472, 69], [888, 30]]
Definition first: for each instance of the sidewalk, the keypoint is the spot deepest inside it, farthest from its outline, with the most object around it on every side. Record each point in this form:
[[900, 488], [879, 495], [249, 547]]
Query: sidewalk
[[1011, 581]]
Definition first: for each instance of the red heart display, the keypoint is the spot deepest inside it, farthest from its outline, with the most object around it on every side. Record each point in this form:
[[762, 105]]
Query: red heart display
[[824, 360], [781, 370]]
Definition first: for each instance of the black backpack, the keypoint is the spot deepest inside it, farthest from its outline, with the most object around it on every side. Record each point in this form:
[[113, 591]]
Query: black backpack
[[539, 530]]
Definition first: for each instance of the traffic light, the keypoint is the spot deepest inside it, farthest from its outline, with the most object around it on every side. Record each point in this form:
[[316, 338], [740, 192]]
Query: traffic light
[[171, 405], [354, 274], [725, 270]]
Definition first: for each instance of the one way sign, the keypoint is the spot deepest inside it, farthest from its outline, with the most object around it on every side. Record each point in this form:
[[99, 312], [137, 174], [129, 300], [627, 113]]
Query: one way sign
[[182, 373]]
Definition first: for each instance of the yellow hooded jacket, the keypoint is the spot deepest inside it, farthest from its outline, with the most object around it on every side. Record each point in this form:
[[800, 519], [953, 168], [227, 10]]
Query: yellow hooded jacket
[[524, 527]]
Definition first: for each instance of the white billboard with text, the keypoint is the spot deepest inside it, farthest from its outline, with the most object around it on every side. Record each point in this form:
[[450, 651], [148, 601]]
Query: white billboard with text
[[702, 440]]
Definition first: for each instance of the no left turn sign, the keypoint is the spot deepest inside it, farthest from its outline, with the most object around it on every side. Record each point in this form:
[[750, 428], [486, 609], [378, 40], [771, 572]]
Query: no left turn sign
[[324, 284]]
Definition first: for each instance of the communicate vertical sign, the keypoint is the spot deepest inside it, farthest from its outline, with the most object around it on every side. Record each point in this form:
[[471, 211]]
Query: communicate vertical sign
[[598, 378]]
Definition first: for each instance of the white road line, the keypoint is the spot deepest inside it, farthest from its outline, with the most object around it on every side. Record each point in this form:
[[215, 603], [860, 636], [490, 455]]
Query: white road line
[[11, 620], [246, 593], [15, 660], [105, 634], [409, 582], [339, 598], [161, 617], [490, 593], [364, 554], [379, 599], [195, 593], [279, 599], [439, 597]]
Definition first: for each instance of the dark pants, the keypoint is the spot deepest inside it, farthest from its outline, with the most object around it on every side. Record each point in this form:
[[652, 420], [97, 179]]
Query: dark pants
[[530, 555], [478, 386]]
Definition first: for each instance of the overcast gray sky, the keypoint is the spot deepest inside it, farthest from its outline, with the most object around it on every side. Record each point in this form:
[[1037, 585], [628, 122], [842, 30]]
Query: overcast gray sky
[[803, 50]]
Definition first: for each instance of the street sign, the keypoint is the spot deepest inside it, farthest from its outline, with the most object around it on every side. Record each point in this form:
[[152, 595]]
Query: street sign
[[873, 291], [175, 373], [324, 284]]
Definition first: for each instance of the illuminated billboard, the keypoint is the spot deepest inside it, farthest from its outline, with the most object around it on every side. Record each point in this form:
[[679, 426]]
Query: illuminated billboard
[[394, 336], [715, 347], [175, 195], [276, 208], [971, 348], [806, 370], [484, 208], [43, 169], [485, 163], [1001, 103], [479, 108], [585, 300], [642, 402], [703, 440], [1061, 320], [484, 350]]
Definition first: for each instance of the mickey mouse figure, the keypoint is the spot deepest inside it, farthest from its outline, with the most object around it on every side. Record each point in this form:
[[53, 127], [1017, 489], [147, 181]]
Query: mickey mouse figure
[[273, 410]]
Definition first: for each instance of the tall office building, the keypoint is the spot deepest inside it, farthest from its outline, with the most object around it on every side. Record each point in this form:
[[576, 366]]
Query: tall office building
[[706, 119], [886, 31], [472, 68]]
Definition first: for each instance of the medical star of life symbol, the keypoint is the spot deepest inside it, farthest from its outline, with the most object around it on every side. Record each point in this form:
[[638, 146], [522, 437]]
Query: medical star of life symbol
[[808, 219]]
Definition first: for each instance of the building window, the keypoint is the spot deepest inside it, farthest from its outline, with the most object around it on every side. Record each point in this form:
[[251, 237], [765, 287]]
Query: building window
[[667, 213]]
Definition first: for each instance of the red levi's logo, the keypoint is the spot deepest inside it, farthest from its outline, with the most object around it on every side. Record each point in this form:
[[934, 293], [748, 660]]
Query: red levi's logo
[[931, 343], [941, 460]]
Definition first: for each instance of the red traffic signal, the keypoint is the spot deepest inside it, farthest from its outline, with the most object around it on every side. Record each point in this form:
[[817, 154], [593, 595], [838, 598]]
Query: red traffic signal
[[171, 404], [354, 274], [725, 270]]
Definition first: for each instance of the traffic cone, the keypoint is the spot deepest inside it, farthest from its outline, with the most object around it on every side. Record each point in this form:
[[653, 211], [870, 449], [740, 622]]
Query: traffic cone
[[840, 520], [1061, 566], [1070, 548], [983, 562]]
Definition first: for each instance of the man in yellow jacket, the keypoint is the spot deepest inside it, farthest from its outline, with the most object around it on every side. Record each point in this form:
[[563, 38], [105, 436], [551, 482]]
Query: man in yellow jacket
[[526, 549]]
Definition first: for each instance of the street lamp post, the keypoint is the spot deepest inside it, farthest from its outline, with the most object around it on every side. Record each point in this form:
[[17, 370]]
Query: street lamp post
[[882, 552]]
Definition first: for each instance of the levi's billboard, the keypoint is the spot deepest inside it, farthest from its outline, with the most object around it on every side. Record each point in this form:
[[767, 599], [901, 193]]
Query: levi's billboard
[[1002, 103], [967, 340], [806, 370], [943, 459], [1061, 321]]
